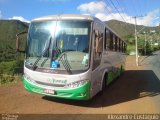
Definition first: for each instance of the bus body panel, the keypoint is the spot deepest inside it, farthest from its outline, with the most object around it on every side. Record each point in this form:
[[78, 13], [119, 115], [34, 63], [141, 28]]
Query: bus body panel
[[38, 82]]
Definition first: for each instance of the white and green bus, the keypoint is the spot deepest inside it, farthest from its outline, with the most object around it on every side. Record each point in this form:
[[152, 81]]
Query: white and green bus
[[71, 56]]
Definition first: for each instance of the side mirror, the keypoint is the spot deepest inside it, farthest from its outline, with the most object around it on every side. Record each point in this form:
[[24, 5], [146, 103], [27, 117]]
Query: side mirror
[[21, 41]]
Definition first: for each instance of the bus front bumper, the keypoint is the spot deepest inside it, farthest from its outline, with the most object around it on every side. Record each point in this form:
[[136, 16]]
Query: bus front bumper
[[79, 93]]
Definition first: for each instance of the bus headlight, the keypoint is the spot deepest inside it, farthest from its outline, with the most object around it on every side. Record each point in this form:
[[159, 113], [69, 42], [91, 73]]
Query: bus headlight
[[76, 84]]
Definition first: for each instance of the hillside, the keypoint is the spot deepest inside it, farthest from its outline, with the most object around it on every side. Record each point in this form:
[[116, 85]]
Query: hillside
[[126, 30], [8, 31]]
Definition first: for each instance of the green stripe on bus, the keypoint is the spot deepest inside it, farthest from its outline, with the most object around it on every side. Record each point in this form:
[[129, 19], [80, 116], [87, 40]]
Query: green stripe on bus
[[112, 76], [80, 93]]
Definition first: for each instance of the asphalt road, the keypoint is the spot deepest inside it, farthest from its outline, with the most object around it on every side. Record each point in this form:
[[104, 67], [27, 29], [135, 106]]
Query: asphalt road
[[136, 91], [152, 63]]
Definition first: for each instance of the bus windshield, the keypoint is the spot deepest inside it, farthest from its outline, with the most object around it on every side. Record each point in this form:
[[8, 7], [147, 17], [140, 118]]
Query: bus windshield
[[59, 45]]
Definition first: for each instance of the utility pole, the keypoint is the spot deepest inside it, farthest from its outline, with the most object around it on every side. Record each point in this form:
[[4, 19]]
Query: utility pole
[[136, 40], [145, 43]]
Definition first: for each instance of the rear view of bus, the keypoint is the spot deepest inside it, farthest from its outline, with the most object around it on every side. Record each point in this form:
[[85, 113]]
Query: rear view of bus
[[58, 57]]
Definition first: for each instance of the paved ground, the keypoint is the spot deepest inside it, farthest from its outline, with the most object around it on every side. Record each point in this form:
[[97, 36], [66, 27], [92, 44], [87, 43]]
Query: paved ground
[[152, 62], [136, 91]]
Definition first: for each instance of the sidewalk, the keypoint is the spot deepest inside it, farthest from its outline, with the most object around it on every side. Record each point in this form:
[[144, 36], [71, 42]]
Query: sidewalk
[[131, 63]]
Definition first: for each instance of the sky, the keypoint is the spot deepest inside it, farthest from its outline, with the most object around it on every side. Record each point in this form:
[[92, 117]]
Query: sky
[[146, 11]]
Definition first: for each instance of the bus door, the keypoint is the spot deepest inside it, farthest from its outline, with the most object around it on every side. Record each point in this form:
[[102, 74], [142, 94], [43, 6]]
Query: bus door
[[97, 55]]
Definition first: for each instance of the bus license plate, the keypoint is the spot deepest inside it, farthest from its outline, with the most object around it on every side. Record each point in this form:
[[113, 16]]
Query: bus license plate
[[49, 91]]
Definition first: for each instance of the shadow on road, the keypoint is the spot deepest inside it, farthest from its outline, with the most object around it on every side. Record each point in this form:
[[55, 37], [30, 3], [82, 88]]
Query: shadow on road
[[133, 84]]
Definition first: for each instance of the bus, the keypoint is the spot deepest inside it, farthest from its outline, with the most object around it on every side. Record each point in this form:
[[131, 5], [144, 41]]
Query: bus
[[71, 56]]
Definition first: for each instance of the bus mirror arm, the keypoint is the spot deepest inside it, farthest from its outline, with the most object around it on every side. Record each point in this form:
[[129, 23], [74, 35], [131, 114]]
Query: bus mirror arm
[[18, 42]]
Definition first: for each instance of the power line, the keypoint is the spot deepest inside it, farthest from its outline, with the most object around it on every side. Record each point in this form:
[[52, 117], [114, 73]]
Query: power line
[[117, 10], [109, 11], [126, 28], [121, 7]]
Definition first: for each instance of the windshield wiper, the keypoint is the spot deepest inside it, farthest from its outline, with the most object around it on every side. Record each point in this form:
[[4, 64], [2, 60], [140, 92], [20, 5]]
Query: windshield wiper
[[64, 60], [34, 67], [65, 63]]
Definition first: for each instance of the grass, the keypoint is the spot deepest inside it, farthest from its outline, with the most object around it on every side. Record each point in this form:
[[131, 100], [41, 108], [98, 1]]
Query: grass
[[11, 71], [6, 79]]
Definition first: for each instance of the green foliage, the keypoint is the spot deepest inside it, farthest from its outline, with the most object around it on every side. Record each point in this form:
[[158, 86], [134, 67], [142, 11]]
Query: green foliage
[[11, 67], [131, 40], [11, 71], [8, 31], [9, 78], [11, 63], [149, 49], [130, 49]]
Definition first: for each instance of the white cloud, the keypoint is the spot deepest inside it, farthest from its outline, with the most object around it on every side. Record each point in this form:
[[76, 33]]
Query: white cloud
[[116, 16], [150, 18], [19, 18], [93, 7], [105, 13], [147, 20]]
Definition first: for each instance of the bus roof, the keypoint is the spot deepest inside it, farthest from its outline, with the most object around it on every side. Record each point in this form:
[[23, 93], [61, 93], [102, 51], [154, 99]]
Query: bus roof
[[64, 17]]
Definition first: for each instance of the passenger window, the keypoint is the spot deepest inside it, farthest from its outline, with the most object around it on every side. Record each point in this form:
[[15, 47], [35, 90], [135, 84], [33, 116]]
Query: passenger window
[[115, 43], [98, 48], [111, 41], [125, 47], [122, 47], [107, 40], [119, 45], [98, 43]]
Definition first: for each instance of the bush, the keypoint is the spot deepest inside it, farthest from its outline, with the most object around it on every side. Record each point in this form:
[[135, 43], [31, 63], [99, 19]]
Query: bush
[[12, 67], [9, 78]]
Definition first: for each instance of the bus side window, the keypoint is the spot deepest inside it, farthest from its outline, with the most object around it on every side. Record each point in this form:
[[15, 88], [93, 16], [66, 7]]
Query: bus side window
[[115, 43], [98, 43], [96, 40], [98, 48], [107, 40], [111, 41], [125, 48], [119, 45]]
